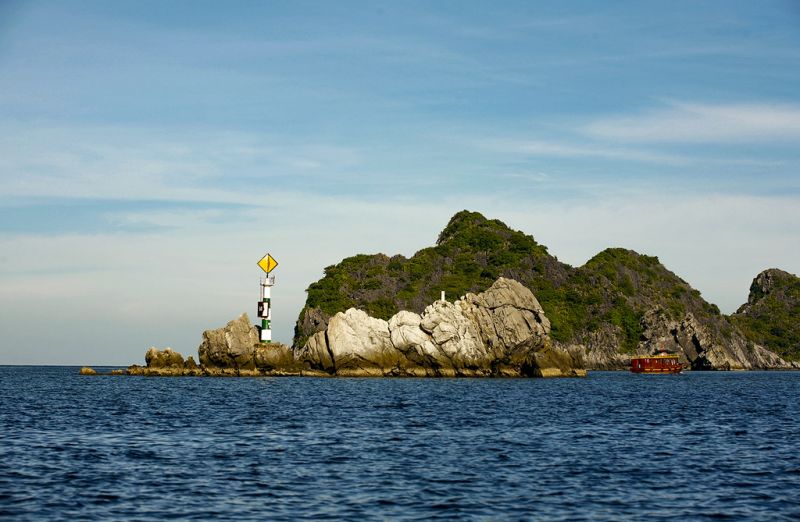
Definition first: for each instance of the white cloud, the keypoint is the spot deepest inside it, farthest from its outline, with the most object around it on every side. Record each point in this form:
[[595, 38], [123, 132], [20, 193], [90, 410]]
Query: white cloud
[[703, 123]]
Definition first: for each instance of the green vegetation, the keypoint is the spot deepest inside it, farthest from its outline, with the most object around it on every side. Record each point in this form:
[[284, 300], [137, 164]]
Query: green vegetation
[[610, 293], [771, 316]]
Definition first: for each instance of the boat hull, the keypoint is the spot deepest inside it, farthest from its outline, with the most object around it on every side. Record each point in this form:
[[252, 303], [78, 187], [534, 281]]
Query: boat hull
[[659, 370]]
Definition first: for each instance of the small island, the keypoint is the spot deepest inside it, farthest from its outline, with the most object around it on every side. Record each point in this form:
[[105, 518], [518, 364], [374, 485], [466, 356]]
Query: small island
[[522, 313]]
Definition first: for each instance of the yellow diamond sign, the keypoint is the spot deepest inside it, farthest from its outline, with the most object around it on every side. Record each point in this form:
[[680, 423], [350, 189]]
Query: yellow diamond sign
[[267, 263]]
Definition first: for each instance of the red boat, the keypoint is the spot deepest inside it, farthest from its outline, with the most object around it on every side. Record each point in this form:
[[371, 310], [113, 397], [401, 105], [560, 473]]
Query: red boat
[[662, 363]]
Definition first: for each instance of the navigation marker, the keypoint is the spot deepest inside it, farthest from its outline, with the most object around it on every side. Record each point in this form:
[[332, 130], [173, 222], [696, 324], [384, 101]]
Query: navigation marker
[[267, 264]]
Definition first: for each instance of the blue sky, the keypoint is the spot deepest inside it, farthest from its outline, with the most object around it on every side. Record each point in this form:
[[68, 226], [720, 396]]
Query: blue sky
[[152, 152]]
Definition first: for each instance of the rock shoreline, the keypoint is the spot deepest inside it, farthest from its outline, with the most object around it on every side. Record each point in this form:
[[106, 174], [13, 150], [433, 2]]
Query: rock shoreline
[[502, 332]]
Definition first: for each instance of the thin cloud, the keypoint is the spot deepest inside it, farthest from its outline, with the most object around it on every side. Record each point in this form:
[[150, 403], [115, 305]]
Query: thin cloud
[[574, 149], [703, 123], [527, 176], [139, 164]]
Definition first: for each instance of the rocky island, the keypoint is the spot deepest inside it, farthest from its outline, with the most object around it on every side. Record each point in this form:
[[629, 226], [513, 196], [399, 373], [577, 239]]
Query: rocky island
[[502, 332], [522, 313]]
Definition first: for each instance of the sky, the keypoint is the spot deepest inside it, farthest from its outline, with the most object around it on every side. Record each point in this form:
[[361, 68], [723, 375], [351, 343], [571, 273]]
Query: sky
[[152, 152]]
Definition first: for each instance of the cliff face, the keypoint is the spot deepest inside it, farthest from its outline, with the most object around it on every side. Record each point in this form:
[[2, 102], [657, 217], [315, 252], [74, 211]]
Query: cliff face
[[771, 315], [618, 304], [501, 332]]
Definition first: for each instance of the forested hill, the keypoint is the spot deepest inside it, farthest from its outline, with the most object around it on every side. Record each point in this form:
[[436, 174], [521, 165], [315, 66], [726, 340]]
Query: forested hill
[[606, 298]]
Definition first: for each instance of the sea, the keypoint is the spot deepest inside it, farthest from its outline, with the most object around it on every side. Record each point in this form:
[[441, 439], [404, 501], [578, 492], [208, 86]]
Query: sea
[[611, 446]]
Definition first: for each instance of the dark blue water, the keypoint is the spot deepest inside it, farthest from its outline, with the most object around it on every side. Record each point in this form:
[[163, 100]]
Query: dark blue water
[[613, 446]]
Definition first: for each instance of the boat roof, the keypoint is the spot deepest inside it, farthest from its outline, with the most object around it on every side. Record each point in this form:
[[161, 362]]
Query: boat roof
[[668, 356]]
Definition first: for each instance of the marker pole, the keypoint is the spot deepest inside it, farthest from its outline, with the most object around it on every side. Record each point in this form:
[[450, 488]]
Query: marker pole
[[265, 308]]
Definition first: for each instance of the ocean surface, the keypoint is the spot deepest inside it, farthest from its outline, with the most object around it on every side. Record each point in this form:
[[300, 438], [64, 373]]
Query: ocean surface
[[612, 446]]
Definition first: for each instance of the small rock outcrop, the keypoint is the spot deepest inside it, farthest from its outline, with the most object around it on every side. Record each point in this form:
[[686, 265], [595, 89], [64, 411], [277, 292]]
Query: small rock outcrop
[[233, 350], [87, 371], [236, 348], [232, 346], [166, 358]]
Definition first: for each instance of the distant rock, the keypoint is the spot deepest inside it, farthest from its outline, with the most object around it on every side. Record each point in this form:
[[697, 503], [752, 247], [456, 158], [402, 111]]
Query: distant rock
[[771, 315], [87, 371], [699, 346], [166, 358]]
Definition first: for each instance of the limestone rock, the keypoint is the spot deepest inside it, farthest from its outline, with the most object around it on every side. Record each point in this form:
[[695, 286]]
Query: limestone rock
[[508, 316], [311, 321], [360, 344], [166, 358], [87, 371], [699, 347], [315, 354], [232, 346], [501, 332], [771, 316], [414, 343], [274, 356], [762, 286], [458, 343], [601, 349]]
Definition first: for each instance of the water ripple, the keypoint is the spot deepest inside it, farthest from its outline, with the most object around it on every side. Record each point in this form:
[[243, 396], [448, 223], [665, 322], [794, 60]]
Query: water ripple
[[613, 446]]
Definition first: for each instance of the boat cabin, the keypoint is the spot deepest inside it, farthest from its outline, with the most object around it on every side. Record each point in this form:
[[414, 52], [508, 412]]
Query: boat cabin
[[667, 363]]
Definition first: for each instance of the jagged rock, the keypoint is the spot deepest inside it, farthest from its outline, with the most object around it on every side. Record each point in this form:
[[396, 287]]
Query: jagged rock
[[234, 349], [507, 315], [315, 354], [502, 331], [312, 320], [601, 351], [360, 344], [762, 286], [457, 341], [414, 343], [232, 346], [166, 358], [771, 316], [87, 371], [274, 356]]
